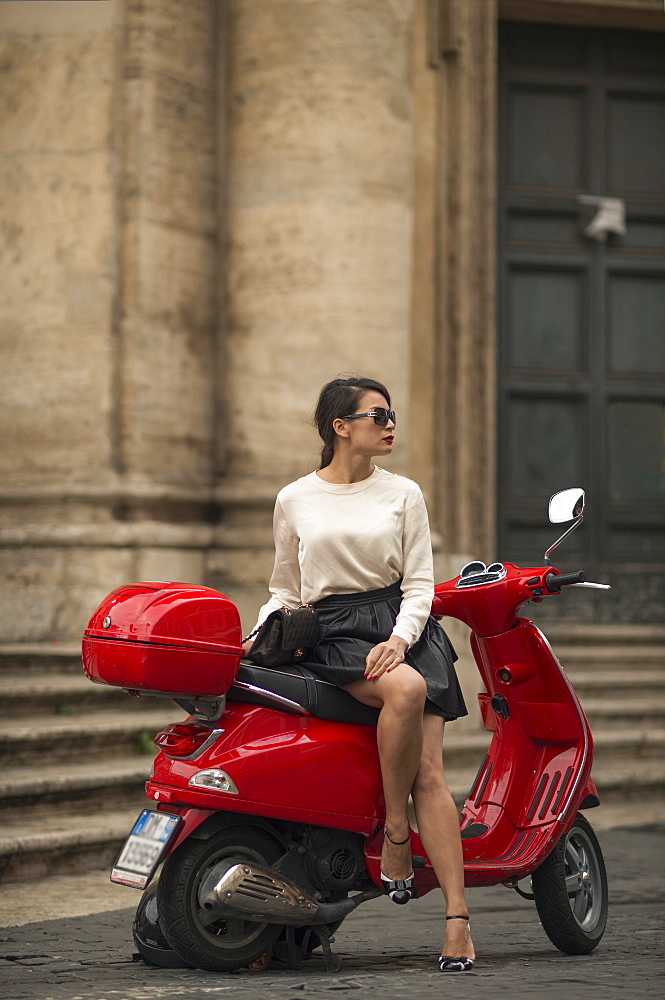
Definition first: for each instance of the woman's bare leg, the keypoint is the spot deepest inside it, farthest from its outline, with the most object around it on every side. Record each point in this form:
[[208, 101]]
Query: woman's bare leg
[[438, 825], [400, 695]]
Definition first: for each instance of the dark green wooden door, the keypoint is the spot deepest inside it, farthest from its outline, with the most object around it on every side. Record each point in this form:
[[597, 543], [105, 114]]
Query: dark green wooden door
[[582, 305]]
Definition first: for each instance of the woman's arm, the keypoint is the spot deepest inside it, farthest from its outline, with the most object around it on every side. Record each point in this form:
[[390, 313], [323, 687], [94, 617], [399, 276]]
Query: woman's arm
[[417, 590], [417, 571]]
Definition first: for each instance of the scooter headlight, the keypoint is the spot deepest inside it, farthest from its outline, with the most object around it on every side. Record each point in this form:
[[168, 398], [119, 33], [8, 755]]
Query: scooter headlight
[[214, 780]]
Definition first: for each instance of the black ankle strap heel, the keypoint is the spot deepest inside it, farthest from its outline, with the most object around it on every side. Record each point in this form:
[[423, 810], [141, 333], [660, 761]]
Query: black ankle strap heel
[[399, 889], [448, 963]]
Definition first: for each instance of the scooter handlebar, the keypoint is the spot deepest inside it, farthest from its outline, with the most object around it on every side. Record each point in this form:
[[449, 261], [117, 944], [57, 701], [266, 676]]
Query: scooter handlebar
[[555, 581]]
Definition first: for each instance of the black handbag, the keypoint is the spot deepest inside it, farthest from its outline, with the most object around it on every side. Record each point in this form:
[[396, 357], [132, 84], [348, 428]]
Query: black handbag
[[285, 636]]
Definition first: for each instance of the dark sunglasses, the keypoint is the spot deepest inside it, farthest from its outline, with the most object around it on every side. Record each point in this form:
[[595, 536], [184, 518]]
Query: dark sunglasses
[[380, 414]]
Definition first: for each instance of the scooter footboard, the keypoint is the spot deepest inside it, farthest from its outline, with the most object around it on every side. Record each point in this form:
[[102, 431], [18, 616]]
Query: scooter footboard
[[531, 788], [534, 777], [520, 803]]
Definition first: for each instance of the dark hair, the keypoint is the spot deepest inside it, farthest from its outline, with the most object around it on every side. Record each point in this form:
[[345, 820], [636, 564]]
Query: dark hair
[[337, 399]]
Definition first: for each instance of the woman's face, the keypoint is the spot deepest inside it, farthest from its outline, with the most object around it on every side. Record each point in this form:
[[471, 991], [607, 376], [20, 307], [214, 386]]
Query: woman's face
[[364, 435]]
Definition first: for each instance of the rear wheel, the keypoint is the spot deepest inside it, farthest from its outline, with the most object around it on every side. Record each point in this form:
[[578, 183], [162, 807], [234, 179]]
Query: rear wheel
[[570, 890], [149, 937], [199, 938]]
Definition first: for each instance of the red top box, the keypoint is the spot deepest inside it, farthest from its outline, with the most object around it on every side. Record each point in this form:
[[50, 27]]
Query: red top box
[[172, 638]]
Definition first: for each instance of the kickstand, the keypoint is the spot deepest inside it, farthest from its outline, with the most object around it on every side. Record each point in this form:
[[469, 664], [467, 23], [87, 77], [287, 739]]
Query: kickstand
[[333, 962], [292, 961]]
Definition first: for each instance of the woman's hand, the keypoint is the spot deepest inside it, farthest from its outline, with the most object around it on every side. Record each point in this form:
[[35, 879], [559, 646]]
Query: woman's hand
[[247, 646], [385, 656]]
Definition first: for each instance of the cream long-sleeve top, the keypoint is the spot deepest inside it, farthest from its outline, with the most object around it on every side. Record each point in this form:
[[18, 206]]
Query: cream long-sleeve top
[[335, 538]]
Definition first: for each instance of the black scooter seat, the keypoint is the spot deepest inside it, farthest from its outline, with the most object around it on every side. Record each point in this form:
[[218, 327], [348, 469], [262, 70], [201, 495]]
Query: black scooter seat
[[296, 689]]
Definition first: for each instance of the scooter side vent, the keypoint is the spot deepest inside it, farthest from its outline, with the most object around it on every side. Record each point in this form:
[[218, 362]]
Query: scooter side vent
[[259, 887], [536, 798], [478, 777], [550, 794], [483, 786], [564, 785]]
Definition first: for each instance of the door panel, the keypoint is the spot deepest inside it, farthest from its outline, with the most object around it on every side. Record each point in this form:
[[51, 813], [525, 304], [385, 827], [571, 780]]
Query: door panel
[[545, 449], [539, 117], [582, 321], [636, 302], [636, 450], [635, 144], [547, 310]]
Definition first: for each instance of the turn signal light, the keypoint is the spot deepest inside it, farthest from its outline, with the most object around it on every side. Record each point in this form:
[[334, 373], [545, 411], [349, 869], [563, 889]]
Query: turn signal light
[[182, 739], [216, 780]]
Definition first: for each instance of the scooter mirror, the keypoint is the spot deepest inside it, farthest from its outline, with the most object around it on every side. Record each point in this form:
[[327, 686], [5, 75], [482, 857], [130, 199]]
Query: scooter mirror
[[567, 505]]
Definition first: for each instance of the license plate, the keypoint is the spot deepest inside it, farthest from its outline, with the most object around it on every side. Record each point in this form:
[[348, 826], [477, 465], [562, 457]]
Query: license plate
[[144, 848]]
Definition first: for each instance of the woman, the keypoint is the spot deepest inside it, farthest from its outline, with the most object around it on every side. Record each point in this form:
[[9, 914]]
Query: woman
[[354, 540]]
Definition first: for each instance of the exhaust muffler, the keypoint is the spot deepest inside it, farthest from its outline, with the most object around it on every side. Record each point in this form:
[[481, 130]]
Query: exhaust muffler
[[259, 894]]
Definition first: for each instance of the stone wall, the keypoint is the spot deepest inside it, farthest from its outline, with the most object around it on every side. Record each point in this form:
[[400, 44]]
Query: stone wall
[[319, 223], [108, 203], [57, 198], [209, 209]]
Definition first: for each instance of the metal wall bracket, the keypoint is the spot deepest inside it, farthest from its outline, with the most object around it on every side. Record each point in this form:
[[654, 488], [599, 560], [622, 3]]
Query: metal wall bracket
[[610, 216]]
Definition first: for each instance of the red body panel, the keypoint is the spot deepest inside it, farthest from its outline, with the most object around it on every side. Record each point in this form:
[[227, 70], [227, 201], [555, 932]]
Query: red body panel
[[272, 757], [537, 769], [491, 608]]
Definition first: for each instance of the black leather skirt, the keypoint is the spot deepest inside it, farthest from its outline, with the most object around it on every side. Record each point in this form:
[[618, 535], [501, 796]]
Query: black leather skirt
[[351, 624]]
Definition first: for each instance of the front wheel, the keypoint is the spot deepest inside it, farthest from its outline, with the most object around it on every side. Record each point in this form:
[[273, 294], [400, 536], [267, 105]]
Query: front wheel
[[570, 890], [206, 942]]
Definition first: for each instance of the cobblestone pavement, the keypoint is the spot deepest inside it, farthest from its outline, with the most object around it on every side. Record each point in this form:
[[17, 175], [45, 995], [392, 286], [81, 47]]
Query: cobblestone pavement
[[387, 951]]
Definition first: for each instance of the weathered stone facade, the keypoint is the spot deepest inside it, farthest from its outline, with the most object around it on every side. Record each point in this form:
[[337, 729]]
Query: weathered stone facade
[[109, 312], [209, 209]]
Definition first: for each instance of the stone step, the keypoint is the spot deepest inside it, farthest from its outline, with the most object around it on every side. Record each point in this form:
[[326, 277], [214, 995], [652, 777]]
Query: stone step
[[610, 815], [610, 657], [597, 634], [620, 781], [613, 684], [40, 791], [52, 658], [575, 651], [96, 735], [120, 782], [87, 839], [50, 693], [102, 735], [58, 818], [628, 744], [611, 713], [64, 844]]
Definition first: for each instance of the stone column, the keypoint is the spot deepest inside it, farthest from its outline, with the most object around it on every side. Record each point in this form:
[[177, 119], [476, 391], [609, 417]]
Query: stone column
[[57, 202], [466, 425], [319, 218], [464, 46], [108, 317], [165, 416]]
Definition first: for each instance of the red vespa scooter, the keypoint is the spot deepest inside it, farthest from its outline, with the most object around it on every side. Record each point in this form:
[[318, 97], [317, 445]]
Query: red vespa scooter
[[267, 801]]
